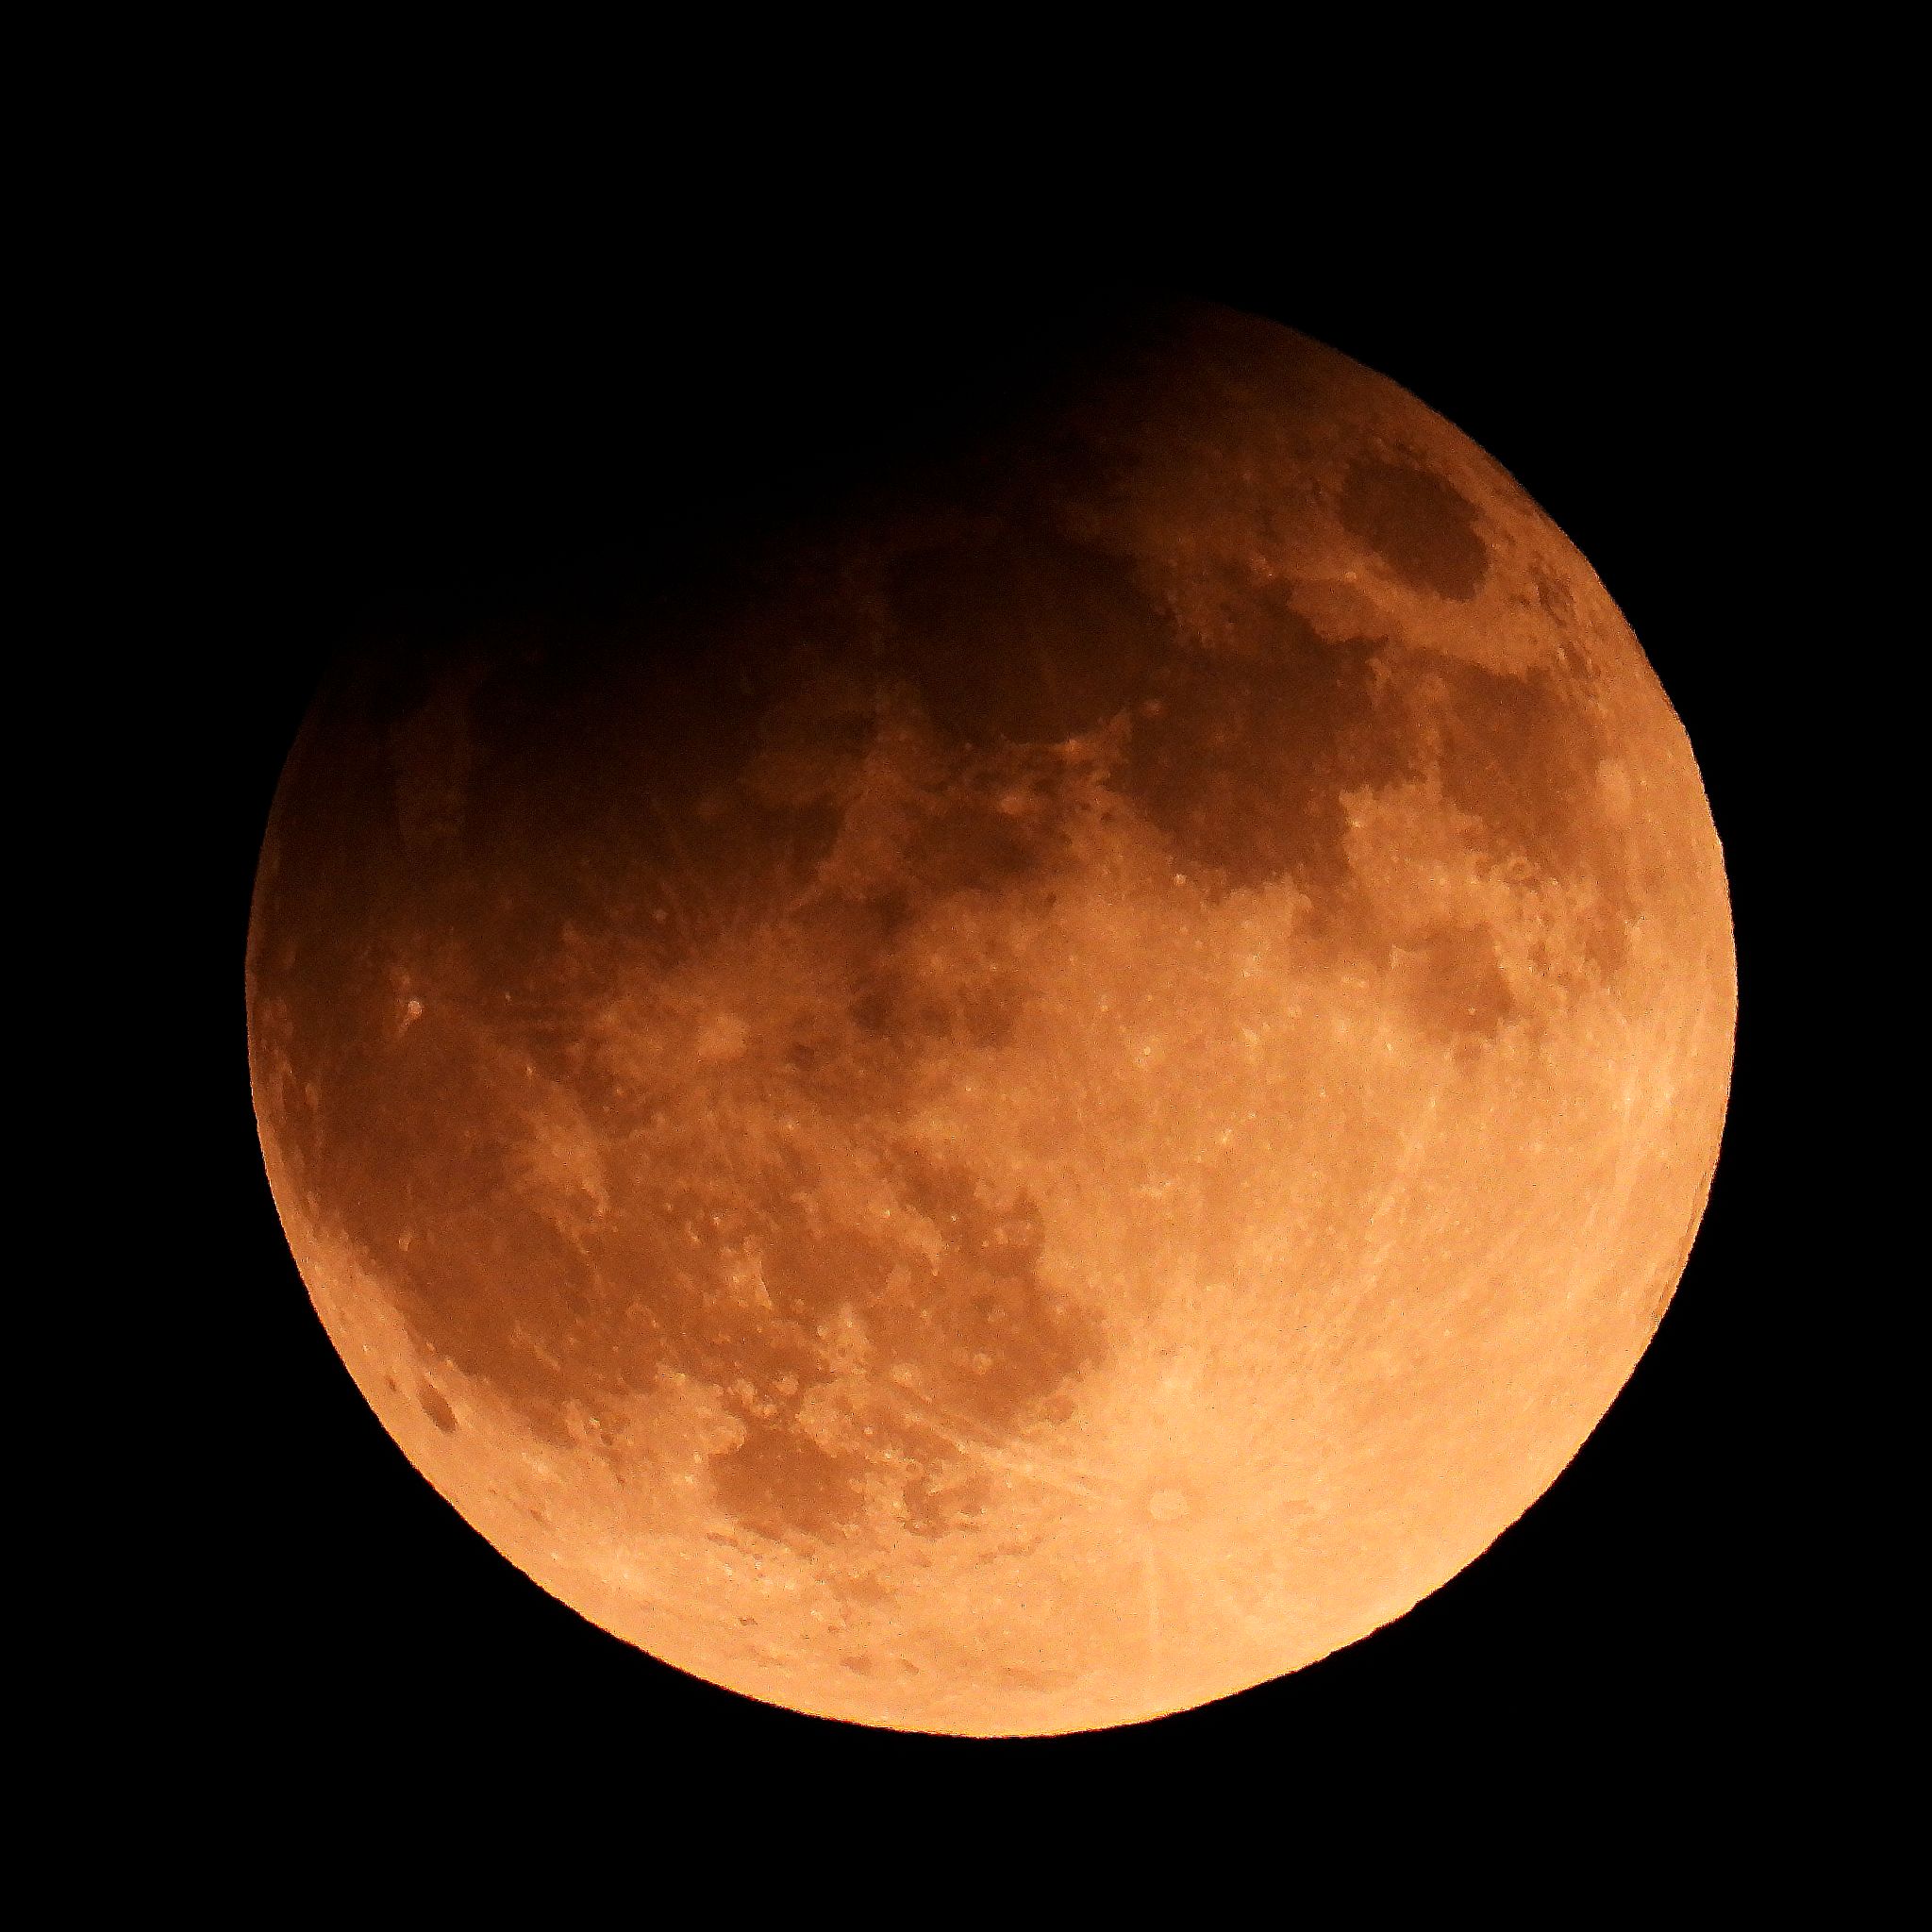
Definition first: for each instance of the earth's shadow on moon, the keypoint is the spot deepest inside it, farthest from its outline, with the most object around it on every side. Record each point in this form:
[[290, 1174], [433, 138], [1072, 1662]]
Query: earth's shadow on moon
[[1402, 515]]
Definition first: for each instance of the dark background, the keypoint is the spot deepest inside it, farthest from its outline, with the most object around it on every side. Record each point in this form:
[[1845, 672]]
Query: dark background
[[403, 417]]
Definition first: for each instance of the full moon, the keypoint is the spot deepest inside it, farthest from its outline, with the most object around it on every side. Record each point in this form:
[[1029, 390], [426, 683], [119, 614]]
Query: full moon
[[1034, 1097]]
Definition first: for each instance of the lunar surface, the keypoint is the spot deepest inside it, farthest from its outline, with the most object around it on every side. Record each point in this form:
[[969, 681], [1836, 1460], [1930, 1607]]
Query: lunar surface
[[1044, 1096]]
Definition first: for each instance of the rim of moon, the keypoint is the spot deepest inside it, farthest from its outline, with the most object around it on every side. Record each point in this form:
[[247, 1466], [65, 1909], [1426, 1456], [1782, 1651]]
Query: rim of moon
[[1042, 1096]]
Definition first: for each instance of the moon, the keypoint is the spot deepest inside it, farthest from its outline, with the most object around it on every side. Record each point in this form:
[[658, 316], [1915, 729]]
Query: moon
[[1029, 1099]]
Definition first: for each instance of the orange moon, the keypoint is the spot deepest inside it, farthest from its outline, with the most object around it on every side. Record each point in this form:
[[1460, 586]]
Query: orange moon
[[1036, 1099]]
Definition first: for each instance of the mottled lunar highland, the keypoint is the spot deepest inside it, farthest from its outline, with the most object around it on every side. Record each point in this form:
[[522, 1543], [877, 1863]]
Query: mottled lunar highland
[[1051, 1094]]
